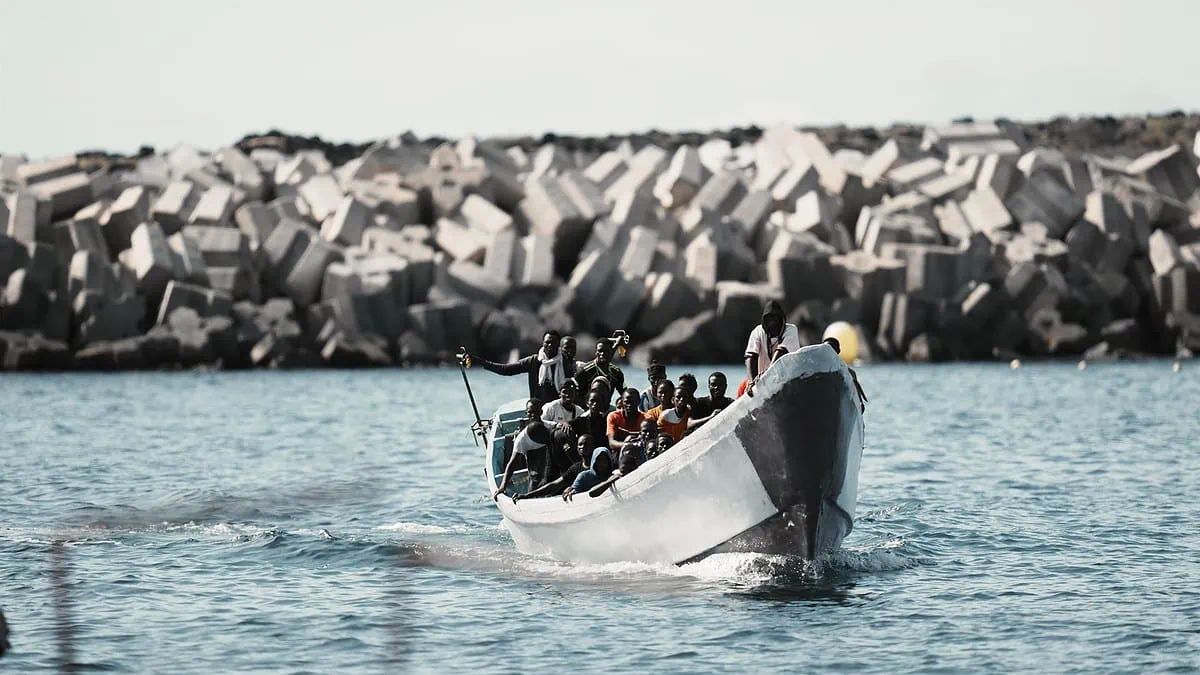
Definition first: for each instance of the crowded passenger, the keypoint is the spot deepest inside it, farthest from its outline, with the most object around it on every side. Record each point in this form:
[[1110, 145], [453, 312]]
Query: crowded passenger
[[676, 421], [601, 366], [769, 340], [626, 420], [599, 471], [655, 373], [627, 464], [562, 412], [706, 407], [544, 369], [602, 386], [665, 394], [687, 383], [581, 455], [662, 443], [532, 444], [594, 424]]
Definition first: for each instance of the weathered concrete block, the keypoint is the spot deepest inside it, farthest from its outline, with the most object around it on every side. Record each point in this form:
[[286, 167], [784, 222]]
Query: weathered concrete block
[[459, 241], [242, 171], [473, 282], [721, 193], [32, 173], [303, 283], [1044, 198], [214, 207], [898, 228], [910, 176], [66, 194], [700, 263], [605, 170], [585, 195], [322, 194], [985, 211], [130, 209], [866, 277], [639, 253], [174, 206], [535, 261], [739, 305], [221, 246], [480, 214], [1165, 254], [1172, 172], [932, 272], [79, 235], [815, 213], [117, 318], [953, 222], [346, 224], [151, 259], [205, 302], [23, 303], [283, 249], [42, 265], [902, 317], [642, 168], [255, 220], [621, 302], [751, 212], [681, 180], [500, 256], [21, 223], [589, 282], [187, 262], [669, 298]]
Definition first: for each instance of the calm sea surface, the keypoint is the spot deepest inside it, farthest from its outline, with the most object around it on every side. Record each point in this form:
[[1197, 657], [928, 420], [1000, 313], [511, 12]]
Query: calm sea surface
[[1042, 519]]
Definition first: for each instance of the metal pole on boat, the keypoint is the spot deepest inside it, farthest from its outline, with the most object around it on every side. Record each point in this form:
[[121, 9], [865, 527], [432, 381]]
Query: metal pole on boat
[[479, 428]]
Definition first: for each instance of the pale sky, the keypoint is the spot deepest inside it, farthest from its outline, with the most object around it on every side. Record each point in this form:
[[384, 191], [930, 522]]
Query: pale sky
[[115, 75]]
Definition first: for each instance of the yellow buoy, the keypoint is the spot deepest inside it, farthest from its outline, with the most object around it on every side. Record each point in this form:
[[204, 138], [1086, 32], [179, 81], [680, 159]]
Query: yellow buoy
[[847, 339]]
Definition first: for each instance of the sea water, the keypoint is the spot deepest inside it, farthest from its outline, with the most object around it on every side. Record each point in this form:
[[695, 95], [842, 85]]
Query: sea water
[[1040, 519]]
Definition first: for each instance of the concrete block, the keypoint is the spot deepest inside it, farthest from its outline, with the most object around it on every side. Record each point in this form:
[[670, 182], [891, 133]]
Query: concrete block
[[1044, 198], [293, 208], [642, 168], [32, 173], [152, 259], [79, 235], [242, 171], [815, 213], [480, 214], [739, 304], [1171, 171], [322, 194], [187, 262], [605, 170], [255, 220], [932, 272], [902, 317], [985, 212], [910, 176], [681, 180], [621, 302], [585, 195], [721, 193], [881, 230], [884, 159], [221, 246], [347, 222], [459, 241], [214, 207], [953, 222], [833, 177], [303, 282], [21, 223], [751, 212], [473, 282], [947, 186], [589, 283], [204, 302], [1165, 254], [536, 261], [700, 263], [173, 207], [400, 203], [42, 265], [866, 277], [997, 172], [129, 210], [669, 298], [283, 249], [116, 319], [639, 253], [66, 194], [23, 303]]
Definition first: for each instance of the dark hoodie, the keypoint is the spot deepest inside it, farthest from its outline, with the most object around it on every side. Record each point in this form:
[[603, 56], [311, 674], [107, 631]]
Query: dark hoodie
[[586, 480], [774, 308]]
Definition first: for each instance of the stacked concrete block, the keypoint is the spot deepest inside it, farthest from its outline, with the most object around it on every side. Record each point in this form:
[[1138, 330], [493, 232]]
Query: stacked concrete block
[[1172, 172], [642, 169], [151, 259], [173, 207], [129, 210], [214, 207], [303, 281], [346, 224], [187, 262], [533, 263], [681, 180], [605, 170], [65, 194], [21, 216], [1044, 198]]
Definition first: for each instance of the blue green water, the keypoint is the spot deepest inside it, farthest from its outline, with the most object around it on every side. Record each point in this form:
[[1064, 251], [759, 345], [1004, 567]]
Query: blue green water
[[1043, 519]]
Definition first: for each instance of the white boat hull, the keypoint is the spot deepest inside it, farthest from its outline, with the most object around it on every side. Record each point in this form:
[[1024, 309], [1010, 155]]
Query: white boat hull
[[773, 473]]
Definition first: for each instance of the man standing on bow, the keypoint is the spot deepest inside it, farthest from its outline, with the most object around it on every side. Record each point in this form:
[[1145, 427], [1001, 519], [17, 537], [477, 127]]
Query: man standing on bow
[[769, 340], [545, 369]]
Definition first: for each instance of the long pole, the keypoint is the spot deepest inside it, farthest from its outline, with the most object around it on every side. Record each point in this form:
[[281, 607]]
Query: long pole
[[479, 429]]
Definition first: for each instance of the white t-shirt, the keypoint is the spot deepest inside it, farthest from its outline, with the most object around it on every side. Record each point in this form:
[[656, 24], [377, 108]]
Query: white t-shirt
[[555, 412], [524, 443], [762, 346]]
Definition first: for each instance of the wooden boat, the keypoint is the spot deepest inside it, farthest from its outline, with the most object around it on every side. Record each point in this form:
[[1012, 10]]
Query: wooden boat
[[773, 473]]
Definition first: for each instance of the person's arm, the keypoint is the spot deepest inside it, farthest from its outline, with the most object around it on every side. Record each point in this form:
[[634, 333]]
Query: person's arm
[[508, 472], [751, 372], [603, 487], [546, 489], [518, 367]]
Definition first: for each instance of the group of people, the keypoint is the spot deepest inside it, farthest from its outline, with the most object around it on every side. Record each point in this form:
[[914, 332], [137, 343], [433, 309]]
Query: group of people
[[571, 438]]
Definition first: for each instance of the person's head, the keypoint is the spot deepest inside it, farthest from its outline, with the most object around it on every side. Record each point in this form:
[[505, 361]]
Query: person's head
[[687, 383], [538, 431], [665, 392], [566, 393], [568, 347], [717, 385], [597, 402], [602, 385], [682, 402], [604, 351], [656, 373], [602, 462], [649, 429], [630, 398], [629, 460], [664, 441], [833, 342], [773, 318], [550, 343], [533, 410], [584, 447]]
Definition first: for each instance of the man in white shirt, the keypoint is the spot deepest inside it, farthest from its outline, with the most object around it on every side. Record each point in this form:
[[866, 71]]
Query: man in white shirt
[[769, 340], [558, 414], [532, 443]]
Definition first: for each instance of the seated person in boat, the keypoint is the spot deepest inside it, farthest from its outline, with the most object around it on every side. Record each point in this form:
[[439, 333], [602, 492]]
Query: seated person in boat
[[656, 373], [625, 420], [644, 441], [544, 369], [662, 443], [581, 454], [629, 461], [675, 422], [687, 383], [567, 347], [769, 340], [562, 412], [601, 385], [601, 468], [531, 443], [666, 393], [594, 423], [706, 407], [601, 366]]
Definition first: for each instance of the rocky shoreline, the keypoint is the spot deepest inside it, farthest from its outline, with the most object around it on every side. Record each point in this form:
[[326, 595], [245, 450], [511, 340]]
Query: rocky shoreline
[[972, 240]]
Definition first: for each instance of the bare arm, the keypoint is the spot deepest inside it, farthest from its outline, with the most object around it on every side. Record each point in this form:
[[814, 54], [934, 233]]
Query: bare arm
[[547, 489], [508, 472], [751, 372], [603, 487]]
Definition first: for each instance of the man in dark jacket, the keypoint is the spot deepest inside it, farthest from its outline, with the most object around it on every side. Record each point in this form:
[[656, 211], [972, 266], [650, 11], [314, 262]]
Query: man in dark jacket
[[601, 366], [545, 368]]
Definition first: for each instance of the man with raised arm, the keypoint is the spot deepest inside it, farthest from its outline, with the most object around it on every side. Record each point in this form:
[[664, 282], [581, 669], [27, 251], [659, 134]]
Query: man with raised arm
[[601, 366], [545, 369]]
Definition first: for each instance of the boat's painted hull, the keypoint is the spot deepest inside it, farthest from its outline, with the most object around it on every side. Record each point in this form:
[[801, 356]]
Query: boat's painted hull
[[773, 473]]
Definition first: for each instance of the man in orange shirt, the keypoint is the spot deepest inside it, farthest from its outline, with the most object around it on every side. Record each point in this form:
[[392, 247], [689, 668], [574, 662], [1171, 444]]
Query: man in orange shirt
[[625, 420]]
